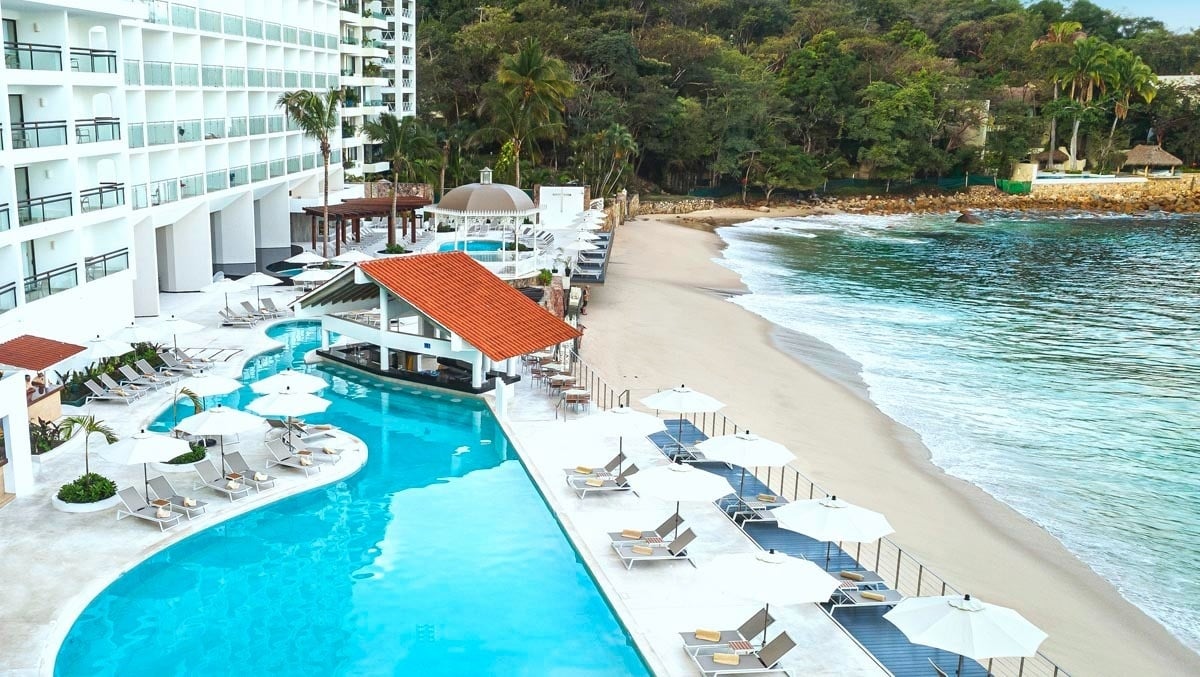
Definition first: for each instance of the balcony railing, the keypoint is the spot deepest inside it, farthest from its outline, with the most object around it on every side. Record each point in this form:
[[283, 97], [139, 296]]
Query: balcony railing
[[183, 16], [258, 171], [239, 176], [237, 127], [235, 77], [96, 130], [274, 31], [233, 25], [41, 285], [31, 56], [210, 21], [164, 192], [212, 76], [277, 168], [289, 79], [275, 123], [96, 267], [255, 77], [289, 34], [188, 130], [160, 133], [157, 73], [218, 180], [48, 208], [8, 297], [4, 224], [191, 186], [140, 198], [275, 79], [85, 60], [187, 75], [39, 134], [254, 28], [104, 196], [258, 125], [214, 129], [133, 72], [293, 165], [158, 12]]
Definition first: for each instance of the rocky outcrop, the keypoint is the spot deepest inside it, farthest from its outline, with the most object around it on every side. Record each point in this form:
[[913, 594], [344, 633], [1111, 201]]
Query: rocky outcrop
[[968, 217], [681, 206]]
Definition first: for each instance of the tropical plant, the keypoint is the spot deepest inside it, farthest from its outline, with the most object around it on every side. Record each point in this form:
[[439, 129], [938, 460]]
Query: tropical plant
[[544, 277], [606, 158], [88, 425], [87, 489], [44, 435], [1088, 73], [1128, 76], [197, 453], [1058, 36], [411, 152], [394, 248], [317, 116]]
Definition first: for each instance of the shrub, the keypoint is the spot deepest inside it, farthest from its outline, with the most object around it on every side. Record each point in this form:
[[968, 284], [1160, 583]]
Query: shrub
[[445, 229], [544, 277], [87, 489], [44, 436], [510, 246], [196, 454], [394, 249]]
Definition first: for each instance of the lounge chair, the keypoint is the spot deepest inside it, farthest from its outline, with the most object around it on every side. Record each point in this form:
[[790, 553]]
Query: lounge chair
[[282, 455], [101, 393], [843, 597], [136, 506], [162, 488], [584, 471], [269, 304], [717, 662], [249, 475], [585, 485], [190, 360], [256, 313], [213, 479], [140, 380], [111, 384], [660, 533], [746, 632], [166, 373], [232, 319], [638, 552], [175, 364]]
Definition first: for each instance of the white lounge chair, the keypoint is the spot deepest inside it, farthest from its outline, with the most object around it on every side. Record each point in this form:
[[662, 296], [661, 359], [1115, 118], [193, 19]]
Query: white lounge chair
[[175, 364], [282, 455], [136, 506], [274, 310], [661, 533], [111, 384], [101, 393], [585, 485], [638, 552], [583, 471], [162, 488], [232, 319], [249, 475], [714, 662], [165, 373], [140, 379], [746, 632], [213, 479]]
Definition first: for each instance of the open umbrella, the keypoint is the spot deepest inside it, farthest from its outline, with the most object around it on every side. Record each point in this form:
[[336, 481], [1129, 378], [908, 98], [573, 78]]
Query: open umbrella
[[290, 404], [747, 450], [578, 246], [138, 333], [208, 385], [259, 280], [828, 519], [966, 626], [619, 422], [682, 400], [224, 285], [174, 326], [316, 275], [100, 347], [769, 577], [289, 380], [145, 448], [678, 482], [353, 256], [306, 258], [219, 422]]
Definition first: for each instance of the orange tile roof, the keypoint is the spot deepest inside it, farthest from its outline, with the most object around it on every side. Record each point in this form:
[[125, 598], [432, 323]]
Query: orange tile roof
[[466, 298], [35, 352]]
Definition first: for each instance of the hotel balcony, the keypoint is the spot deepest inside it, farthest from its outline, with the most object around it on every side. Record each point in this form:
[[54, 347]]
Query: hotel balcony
[[41, 134], [4, 222], [97, 130], [105, 196], [33, 56], [84, 60], [45, 208], [103, 265], [8, 297], [41, 285]]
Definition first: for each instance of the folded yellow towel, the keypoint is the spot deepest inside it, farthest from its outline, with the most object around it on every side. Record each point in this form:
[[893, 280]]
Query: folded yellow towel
[[583, 470], [331, 451], [642, 550], [595, 482], [162, 513], [120, 392], [305, 461], [875, 596], [233, 485], [322, 426], [189, 502], [767, 498], [726, 658], [260, 477], [631, 533], [708, 635], [852, 575]]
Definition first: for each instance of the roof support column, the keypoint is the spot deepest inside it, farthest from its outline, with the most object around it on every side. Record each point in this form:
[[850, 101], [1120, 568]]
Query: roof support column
[[412, 217], [477, 370], [384, 322], [510, 366]]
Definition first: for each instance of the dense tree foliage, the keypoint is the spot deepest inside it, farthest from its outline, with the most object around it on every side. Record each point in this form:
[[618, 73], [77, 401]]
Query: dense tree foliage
[[785, 94]]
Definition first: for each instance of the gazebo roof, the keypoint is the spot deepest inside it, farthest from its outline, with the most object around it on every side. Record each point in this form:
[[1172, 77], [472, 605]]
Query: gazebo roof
[[485, 199], [36, 353], [369, 207], [1151, 156]]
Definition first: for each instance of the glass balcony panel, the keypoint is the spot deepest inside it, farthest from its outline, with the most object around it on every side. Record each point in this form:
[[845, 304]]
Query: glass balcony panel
[[289, 34], [133, 72], [31, 56], [306, 38], [213, 76], [96, 267], [293, 164], [275, 123], [214, 129], [275, 79], [51, 282], [159, 13], [237, 127], [210, 21], [188, 130], [183, 16], [39, 134], [277, 168], [93, 60], [239, 176], [289, 79], [97, 130], [254, 28], [233, 25], [141, 198], [187, 75], [218, 180], [191, 186], [4, 223], [48, 208], [159, 133], [258, 171], [273, 32], [104, 196], [255, 77], [164, 192], [306, 80], [157, 73], [258, 124], [235, 77]]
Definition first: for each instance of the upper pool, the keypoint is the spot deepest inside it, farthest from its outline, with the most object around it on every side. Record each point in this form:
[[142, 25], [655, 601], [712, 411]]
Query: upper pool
[[475, 245], [439, 557]]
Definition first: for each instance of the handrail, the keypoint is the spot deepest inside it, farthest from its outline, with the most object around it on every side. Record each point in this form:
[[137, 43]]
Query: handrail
[[39, 134], [99, 266], [109, 194], [8, 296], [32, 56], [39, 285], [26, 209], [106, 58], [92, 130]]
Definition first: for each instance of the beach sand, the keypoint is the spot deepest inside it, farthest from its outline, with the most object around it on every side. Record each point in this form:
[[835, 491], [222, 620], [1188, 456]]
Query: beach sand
[[663, 318]]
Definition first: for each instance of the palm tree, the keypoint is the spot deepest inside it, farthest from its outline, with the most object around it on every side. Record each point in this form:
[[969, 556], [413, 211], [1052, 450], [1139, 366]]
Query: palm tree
[[317, 116], [1061, 33], [619, 142], [88, 425], [1129, 76], [409, 148], [512, 122], [1088, 73]]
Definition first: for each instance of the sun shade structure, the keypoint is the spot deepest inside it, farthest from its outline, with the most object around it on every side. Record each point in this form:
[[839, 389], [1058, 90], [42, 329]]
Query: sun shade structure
[[1146, 156], [830, 519], [769, 578], [353, 211], [36, 353], [289, 380], [144, 447]]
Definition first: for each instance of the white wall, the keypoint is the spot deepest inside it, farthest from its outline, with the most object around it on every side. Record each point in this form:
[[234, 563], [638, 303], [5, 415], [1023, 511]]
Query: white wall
[[18, 474], [560, 205], [145, 263], [184, 254], [233, 236]]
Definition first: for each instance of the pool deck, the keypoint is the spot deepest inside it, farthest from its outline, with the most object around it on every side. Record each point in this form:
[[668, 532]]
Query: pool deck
[[658, 600], [57, 562]]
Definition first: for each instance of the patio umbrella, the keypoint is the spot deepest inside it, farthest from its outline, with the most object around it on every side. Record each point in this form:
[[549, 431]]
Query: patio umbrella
[[145, 448], [682, 400], [769, 577], [966, 626], [219, 422], [828, 519], [224, 285], [678, 482], [306, 258], [290, 404], [353, 256], [100, 348], [289, 380], [316, 275], [745, 449], [208, 385], [258, 280], [138, 333], [578, 246], [174, 326], [618, 422]]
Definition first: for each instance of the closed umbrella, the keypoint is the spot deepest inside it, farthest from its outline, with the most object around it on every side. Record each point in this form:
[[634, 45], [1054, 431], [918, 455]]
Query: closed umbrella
[[829, 519], [769, 578], [289, 380], [219, 422], [306, 258], [145, 448], [100, 348], [682, 400], [678, 482], [966, 626], [259, 280], [747, 450], [619, 422]]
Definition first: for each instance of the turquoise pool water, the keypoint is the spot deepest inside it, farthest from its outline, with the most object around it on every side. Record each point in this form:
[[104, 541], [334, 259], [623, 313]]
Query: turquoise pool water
[[472, 246], [439, 557]]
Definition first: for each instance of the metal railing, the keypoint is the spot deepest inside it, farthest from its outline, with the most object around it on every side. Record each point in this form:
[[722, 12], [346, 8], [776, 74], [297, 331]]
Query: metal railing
[[31, 56], [141, 198], [84, 60], [214, 129], [237, 127], [39, 134], [274, 124], [164, 192], [156, 73], [104, 196], [101, 265], [46, 208], [96, 130], [235, 76], [183, 16], [4, 222], [160, 133], [212, 76], [8, 297], [210, 21], [191, 186], [239, 176], [258, 124], [41, 285], [187, 75], [254, 28], [133, 72], [255, 77], [216, 180], [233, 25], [188, 130], [137, 135], [258, 171]]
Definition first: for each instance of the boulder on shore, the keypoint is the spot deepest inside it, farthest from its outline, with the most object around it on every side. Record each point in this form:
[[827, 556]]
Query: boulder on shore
[[968, 217]]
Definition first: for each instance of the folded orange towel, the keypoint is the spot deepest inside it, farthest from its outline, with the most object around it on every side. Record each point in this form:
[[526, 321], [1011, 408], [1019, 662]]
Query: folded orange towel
[[852, 575], [874, 596], [708, 635], [727, 658], [767, 498], [595, 482], [642, 550], [631, 533]]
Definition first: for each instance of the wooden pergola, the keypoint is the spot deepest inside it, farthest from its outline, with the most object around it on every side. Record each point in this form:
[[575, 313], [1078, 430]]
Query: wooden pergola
[[353, 211]]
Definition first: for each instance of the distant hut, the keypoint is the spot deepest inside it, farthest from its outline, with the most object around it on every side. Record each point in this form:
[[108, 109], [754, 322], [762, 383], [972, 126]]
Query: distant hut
[[1045, 159], [1146, 156]]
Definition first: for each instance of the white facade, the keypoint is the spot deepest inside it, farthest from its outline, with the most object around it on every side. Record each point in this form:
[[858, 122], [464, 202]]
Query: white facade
[[142, 150]]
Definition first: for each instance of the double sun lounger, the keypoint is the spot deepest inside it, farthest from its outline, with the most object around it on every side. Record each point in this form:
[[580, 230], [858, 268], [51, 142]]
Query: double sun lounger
[[730, 660], [136, 506], [633, 552]]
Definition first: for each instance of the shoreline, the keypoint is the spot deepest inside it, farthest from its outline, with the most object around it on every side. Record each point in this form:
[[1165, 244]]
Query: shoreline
[[796, 391]]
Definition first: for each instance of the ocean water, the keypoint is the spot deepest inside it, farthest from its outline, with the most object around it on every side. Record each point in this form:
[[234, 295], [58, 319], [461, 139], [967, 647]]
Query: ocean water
[[438, 557], [1053, 361]]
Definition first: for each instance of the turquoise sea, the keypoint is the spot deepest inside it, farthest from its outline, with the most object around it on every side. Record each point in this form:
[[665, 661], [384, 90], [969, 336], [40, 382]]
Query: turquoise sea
[[1053, 361]]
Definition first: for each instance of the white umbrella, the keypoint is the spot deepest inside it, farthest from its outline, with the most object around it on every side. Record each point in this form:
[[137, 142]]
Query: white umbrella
[[306, 258], [138, 333], [224, 285], [289, 380], [174, 326], [316, 275], [966, 627], [769, 577], [353, 256], [209, 385], [145, 448], [258, 280], [682, 400], [289, 404], [219, 422], [747, 450], [620, 422], [100, 348], [678, 482], [578, 246], [828, 519]]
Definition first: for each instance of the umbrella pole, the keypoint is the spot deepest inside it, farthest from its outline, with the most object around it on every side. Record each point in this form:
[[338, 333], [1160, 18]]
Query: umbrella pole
[[742, 486], [223, 466], [676, 521], [620, 456], [960, 662], [827, 545], [766, 615], [146, 482]]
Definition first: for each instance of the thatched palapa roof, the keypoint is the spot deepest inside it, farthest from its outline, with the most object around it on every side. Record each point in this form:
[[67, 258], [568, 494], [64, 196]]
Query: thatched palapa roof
[[1044, 156], [1151, 156]]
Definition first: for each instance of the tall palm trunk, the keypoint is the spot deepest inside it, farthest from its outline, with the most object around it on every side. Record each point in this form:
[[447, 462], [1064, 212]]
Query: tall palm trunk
[[442, 173], [325, 206], [1075, 143], [1054, 130], [517, 161]]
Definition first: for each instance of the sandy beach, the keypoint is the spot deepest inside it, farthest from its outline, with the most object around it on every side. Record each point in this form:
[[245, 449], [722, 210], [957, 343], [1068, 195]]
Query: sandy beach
[[664, 318]]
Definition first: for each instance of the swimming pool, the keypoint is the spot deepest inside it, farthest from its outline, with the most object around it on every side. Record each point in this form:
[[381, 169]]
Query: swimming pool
[[477, 245], [439, 557]]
